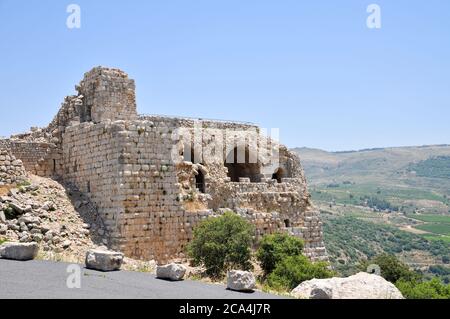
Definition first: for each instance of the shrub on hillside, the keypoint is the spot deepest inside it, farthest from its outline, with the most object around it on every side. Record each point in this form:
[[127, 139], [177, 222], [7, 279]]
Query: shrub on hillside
[[293, 270], [222, 243], [433, 289], [393, 269], [274, 248]]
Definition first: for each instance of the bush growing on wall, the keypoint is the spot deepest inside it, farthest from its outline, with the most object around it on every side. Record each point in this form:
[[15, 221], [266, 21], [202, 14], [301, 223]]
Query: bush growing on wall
[[293, 270], [222, 243], [274, 248], [280, 256]]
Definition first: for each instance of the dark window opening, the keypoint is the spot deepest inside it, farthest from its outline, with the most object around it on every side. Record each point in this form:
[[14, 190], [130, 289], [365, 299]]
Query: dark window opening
[[200, 182], [245, 169], [88, 186], [279, 174], [287, 223], [54, 166]]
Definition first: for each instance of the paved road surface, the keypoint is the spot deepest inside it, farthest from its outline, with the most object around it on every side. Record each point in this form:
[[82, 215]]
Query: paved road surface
[[45, 279]]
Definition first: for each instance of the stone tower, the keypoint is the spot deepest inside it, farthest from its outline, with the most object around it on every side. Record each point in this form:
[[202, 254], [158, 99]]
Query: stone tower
[[108, 94]]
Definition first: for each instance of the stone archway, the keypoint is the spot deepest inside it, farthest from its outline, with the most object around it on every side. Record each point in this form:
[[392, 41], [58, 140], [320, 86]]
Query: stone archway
[[246, 169], [279, 174]]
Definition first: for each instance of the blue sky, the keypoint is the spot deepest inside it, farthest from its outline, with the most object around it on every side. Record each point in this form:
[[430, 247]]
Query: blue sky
[[312, 69]]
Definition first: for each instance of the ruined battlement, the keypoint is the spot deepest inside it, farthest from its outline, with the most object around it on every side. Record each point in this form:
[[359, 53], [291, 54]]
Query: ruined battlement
[[108, 94], [153, 178]]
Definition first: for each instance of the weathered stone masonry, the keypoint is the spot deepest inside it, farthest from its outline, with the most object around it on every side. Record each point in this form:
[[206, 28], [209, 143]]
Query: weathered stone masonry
[[11, 169], [149, 199]]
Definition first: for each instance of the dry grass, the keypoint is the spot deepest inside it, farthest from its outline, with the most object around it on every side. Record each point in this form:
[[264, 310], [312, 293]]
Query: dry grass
[[4, 190], [59, 257], [194, 206]]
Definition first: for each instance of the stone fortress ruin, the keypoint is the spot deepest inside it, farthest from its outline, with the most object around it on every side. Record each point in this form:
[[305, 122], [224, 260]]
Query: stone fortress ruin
[[153, 178]]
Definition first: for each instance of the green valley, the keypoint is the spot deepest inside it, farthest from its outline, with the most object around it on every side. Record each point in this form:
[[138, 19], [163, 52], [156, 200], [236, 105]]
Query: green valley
[[393, 200]]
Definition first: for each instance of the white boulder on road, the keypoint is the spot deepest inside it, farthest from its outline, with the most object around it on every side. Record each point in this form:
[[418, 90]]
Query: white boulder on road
[[171, 271], [239, 280], [360, 286], [103, 260]]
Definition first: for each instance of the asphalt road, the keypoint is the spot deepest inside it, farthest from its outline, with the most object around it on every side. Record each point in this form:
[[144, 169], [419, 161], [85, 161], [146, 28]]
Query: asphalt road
[[45, 279]]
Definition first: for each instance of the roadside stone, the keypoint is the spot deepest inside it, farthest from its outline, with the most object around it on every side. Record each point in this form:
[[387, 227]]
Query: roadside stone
[[19, 251], [239, 280], [103, 260], [359, 286], [173, 271]]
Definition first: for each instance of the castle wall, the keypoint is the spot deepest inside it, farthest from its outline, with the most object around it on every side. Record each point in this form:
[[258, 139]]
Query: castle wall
[[39, 158], [145, 185], [153, 224], [91, 162]]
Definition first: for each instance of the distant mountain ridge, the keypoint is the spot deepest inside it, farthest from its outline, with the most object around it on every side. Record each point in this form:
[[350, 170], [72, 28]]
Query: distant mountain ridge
[[372, 149], [394, 200], [391, 165]]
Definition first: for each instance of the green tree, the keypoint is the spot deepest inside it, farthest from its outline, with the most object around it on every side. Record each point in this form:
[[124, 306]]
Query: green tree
[[274, 248], [392, 269], [222, 243], [433, 289], [293, 270]]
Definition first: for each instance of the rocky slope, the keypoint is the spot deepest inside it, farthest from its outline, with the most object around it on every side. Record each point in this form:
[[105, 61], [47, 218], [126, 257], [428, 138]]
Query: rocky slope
[[59, 218]]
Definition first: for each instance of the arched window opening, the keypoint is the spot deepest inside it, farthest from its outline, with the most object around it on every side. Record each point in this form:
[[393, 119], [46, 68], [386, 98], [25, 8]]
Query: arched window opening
[[279, 174], [245, 169]]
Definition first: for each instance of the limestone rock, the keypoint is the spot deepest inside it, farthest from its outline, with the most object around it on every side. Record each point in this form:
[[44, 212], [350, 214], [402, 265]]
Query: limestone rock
[[17, 208], [171, 271], [19, 251], [359, 286], [239, 280], [3, 229], [2, 217], [103, 260]]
